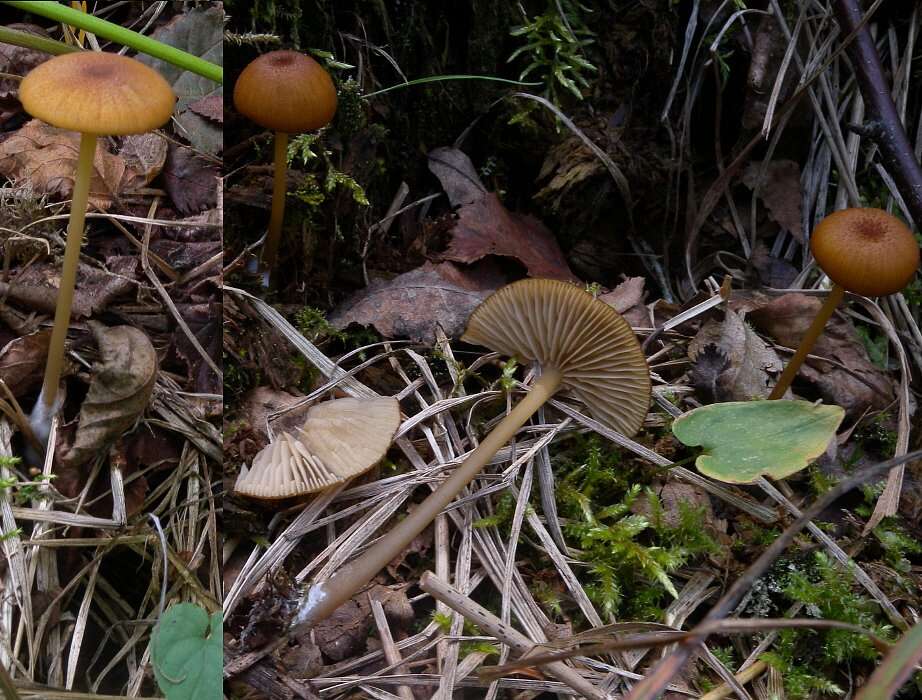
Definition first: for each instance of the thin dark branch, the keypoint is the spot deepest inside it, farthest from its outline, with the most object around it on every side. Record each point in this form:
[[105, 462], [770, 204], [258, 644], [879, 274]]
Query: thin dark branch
[[887, 132], [661, 674]]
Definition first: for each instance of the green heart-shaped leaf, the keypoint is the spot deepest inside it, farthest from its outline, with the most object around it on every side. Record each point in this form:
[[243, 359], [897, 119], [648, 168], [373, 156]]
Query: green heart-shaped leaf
[[743, 440], [186, 648]]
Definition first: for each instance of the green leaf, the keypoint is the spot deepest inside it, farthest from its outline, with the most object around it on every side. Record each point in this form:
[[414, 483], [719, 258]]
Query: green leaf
[[186, 648], [744, 440]]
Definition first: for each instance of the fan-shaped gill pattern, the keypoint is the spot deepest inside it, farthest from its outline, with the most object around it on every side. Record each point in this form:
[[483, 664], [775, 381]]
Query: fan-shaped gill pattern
[[558, 324], [339, 439]]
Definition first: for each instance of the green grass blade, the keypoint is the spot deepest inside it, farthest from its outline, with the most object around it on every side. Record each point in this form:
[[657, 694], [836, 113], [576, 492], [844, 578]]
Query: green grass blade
[[896, 667], [30, 41]]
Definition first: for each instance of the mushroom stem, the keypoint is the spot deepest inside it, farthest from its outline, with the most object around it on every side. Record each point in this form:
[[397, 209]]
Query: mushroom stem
[[68, 271], [279, 188], [323, 598], [836, 294]]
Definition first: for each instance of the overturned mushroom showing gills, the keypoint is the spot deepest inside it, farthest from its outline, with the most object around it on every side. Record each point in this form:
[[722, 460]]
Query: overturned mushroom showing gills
[[864, 251], [95, 94], [340, 439], [290, 93], [579, 344]]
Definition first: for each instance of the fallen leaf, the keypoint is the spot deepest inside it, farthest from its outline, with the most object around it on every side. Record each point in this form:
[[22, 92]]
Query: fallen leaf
[[47, 157], [36, 287], [22, 362], [204, 320], [780, 189], [626, 295], [346, 631], [485, 227], [853, 381], [412, 304], [119, 391], [190, 181], [145, 155], [211, 107], [743, 440], [750, 363], [200, 32]]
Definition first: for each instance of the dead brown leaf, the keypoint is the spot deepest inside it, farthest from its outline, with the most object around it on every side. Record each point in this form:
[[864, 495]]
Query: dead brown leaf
[[780, 189], [626, 295], [119, 391], [145, 155], [36, 287], [346, 631], [47, 157], [204, 320], [485, 227], [412, 304], [190, 181], [749, 365], [22, 362], [854, 382], [211, 107]]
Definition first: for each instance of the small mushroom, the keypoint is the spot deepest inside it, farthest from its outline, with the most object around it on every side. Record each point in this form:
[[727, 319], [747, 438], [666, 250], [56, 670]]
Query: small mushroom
[[340, 439], [95, 94], [579, 344], [864, 251], [290, 93]]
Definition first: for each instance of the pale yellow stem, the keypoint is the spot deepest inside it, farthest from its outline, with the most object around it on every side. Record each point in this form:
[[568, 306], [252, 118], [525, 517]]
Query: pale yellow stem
[[69, 270], [324, 598], [279, 190], [807, 342]]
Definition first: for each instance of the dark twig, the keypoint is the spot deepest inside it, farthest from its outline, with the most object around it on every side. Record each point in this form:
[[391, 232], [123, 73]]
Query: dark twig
[[668, 667], [886, 129]]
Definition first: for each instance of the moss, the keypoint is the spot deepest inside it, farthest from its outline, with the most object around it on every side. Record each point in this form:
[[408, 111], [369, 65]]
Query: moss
[[819, 661]]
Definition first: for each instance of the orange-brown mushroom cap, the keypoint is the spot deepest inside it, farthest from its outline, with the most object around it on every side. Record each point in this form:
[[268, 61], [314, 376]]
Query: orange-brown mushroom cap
[[339, 439], [558, 324], [866, 251], [286, 91], [97, 93]]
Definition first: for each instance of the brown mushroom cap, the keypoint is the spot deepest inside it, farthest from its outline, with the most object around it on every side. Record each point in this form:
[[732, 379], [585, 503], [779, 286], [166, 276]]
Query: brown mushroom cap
[[97, 93], [339, 439], [558, 324], [286, 91], [866, 251]]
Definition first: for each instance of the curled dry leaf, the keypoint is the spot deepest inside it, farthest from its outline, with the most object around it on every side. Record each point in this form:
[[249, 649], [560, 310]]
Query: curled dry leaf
[[485, 227], [412, 304], [119, 391], [47, 157], [748, 362], [22, 362], [144, 156]]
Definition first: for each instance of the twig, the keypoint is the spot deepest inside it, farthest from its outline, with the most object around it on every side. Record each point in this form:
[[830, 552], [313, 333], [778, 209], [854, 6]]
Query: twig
[[885, 127]]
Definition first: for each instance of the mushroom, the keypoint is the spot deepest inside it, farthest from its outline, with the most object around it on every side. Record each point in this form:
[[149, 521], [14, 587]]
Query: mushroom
[[864, 251], [95, 94], [340, 439], [287, 92], [578, 343]]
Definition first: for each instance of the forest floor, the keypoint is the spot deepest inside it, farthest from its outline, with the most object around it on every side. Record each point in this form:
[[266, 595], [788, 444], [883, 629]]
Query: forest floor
[[633, 163]]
